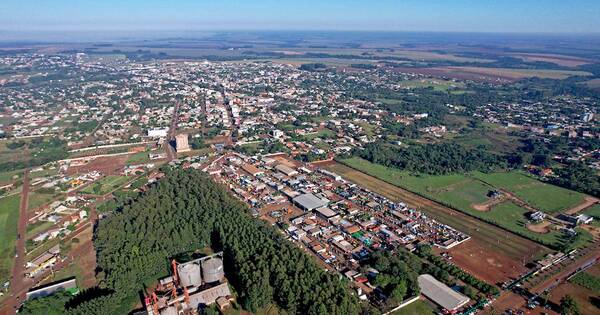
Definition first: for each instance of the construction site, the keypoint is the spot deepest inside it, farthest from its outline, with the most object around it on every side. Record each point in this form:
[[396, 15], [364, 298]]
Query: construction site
[[192, 287]]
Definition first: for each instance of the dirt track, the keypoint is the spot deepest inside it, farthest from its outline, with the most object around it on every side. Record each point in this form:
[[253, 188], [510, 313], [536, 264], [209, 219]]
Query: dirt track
[[587, 202]]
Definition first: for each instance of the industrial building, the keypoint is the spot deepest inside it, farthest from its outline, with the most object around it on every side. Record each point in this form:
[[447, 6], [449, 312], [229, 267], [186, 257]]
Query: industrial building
[[441, 294], [309, 202], [181, 143], [192, 286]]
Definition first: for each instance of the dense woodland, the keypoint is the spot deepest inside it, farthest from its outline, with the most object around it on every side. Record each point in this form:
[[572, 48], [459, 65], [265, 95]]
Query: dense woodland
[[434, 159], [185, 212]]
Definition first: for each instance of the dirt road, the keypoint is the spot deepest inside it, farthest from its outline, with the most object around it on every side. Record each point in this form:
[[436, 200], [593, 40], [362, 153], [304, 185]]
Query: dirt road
[[18, 283]]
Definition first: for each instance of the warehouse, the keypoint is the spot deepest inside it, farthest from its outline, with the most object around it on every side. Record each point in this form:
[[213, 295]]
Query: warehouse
[[309, 202], [288, 171], [440, 293]]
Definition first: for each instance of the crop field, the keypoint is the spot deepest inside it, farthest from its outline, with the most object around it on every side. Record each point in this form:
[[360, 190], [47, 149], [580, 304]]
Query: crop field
[[9, 217], [517, 74], [545, 197], [466, 192], [105, 185]]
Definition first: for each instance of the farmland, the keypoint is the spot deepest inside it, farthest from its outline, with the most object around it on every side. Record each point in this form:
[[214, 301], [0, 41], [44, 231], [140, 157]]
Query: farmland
[[9, 215], [468, 192]]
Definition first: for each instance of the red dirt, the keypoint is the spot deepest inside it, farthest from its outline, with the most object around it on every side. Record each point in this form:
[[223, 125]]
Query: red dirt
[[494, 268], [510, 300], [110, 165], [541, 228], [582, 295], [588, 201]]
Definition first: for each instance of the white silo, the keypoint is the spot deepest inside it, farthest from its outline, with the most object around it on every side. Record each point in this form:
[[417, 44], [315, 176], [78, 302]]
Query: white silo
[[189, 275], [212, 270]]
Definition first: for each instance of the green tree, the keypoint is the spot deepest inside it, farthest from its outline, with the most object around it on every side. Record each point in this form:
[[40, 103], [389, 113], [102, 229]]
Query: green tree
[[568, 306]]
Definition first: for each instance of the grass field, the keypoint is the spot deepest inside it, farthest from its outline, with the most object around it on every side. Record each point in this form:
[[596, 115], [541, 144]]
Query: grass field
[[545, 197], [105, 185], [461, 192], [37, 199], [437, 84], [138, 158], [419, 307], [323, 134], [9, 217], [7, 177], [493, 238], [517, 74]]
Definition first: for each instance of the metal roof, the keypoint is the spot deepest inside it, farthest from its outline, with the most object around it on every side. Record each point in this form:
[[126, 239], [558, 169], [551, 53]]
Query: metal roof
[[309, 201], [441, 293]]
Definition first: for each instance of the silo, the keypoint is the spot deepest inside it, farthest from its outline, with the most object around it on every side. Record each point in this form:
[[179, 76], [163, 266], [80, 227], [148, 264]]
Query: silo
[[212, 270], [189, 275]]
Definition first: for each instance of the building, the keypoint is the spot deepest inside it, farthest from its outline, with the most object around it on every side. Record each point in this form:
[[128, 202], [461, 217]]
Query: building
[[181, 143], [286, 170], [158, 132], [309, 202], [69, 285], [441, 294]]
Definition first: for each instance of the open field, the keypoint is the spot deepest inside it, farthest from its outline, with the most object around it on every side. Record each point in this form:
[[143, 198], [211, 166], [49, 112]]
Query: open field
[[138, 158], [497, 246], [468, 193], [517, 74], [37, 199], [419, 307], [106, 165], [561, 60], [589, 302], [545, 197], [105, 185], [493, 75], [9, 217], [436, 84]]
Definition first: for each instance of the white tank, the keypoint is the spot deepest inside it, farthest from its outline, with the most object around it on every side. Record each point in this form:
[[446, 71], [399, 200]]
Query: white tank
[[189, 275], [212, 270]]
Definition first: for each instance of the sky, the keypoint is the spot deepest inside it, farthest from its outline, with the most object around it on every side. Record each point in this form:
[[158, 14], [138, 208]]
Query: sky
[[503, 16]]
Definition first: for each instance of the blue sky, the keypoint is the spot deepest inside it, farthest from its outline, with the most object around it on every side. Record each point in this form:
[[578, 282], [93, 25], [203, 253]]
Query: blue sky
[[563, 16]]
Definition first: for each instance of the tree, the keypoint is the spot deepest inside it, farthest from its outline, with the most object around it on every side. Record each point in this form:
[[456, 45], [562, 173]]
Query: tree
[[568, 306]]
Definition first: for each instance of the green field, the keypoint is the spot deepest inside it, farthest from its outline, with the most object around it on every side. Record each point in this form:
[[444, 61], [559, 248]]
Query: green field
[[419, 307], [138, 158], [9, 217], [323, 134], [545, 197], [461, 192], [105, 185], [37, 199]]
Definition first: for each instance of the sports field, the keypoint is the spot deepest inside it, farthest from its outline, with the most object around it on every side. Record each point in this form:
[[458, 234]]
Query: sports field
[[9, 217]]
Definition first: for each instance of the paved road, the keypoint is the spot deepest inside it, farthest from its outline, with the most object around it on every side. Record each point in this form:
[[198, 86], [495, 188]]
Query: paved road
[[18, 284]]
